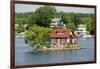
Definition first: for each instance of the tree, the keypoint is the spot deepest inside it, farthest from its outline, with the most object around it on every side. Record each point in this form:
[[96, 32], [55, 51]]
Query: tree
[[32, 19], [89, 23], [68, 20], [44, 15], [37, 36], [77, 17], [20, 27], [71, 26]]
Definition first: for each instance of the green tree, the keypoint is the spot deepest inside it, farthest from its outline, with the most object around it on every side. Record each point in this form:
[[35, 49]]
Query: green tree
[[89, 23], [68, 20], [77, 17], [44, 15], [71, 26], [32, 19], [37, 36], [20, 27]]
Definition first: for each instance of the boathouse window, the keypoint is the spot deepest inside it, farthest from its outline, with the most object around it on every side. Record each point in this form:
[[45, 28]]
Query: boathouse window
[[60, 32]]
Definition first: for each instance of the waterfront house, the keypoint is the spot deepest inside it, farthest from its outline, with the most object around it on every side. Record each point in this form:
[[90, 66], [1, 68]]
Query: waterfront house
[[81, 30], [62, 37], [56, 23]]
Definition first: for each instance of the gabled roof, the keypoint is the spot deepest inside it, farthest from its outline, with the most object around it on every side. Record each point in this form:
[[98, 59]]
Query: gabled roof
[[61, 33]]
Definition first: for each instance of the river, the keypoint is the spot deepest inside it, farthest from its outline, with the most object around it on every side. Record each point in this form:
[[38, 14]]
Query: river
[[24, 54]]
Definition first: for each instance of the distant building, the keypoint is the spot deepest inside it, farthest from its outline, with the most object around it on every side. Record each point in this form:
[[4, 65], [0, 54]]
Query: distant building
[[56, 23], [81, 30], [21, 34], [16, 25], [61, 38], [25, 26]]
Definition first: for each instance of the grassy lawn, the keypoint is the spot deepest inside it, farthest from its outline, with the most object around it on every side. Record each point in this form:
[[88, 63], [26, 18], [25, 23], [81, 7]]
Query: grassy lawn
[[73, 47]]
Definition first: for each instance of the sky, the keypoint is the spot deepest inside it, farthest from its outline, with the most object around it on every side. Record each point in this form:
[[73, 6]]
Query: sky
[[31, 8]]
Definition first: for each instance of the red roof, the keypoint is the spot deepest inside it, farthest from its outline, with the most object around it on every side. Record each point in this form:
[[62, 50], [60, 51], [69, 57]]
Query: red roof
[[61, 33]]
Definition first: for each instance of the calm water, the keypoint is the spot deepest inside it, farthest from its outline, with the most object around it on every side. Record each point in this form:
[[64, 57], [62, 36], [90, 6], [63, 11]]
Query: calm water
[[25, 55]]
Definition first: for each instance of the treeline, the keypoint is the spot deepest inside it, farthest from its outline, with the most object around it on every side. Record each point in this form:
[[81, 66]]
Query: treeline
[[23, 15], [57, 14], [43, 16], [75, 16]]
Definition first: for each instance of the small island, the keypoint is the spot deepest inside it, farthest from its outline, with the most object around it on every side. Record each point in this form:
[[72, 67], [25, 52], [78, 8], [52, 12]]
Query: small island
[[61, 38]]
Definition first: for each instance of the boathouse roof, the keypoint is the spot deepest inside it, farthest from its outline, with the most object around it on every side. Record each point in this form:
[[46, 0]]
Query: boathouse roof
[[62, 33]]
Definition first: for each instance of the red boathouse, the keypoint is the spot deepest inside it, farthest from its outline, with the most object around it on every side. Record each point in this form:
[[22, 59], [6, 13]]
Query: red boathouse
[[62, 37]]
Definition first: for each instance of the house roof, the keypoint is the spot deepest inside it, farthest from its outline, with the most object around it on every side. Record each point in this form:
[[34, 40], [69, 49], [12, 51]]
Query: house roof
[[56, 19], [61, 33]]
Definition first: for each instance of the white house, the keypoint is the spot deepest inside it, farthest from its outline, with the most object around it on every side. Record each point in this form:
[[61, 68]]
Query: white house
[[81, 30], [56, 22]]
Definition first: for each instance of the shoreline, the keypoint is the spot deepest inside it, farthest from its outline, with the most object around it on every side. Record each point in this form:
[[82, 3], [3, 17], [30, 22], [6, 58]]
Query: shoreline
[[54, 49]]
